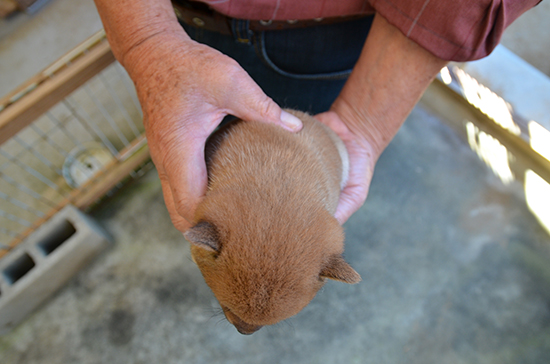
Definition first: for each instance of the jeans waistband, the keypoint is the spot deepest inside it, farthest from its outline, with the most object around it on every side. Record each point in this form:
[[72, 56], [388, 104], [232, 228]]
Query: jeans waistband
[[200, 15]]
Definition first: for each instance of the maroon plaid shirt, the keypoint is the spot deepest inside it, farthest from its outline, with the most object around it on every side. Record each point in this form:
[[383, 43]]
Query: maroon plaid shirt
[[457, 30]]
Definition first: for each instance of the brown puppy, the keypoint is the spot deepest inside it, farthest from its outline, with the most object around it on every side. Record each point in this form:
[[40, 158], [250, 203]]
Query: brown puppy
[[265, 237]]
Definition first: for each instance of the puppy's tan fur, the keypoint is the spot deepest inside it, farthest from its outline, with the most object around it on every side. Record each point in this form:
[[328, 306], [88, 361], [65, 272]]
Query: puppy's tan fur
[[265, 237]]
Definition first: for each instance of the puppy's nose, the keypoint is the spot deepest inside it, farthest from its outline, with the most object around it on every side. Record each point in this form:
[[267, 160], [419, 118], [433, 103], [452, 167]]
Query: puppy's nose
[[248, 330], [241, 326]]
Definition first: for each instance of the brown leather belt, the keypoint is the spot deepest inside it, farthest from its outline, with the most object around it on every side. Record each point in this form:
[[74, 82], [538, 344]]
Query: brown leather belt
[[200, 15]]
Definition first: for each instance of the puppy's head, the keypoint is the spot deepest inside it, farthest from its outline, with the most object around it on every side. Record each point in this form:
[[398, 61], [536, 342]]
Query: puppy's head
[[264, 269]]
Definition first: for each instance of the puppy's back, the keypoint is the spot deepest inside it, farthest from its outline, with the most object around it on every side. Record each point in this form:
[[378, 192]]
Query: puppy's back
[[311, 163]]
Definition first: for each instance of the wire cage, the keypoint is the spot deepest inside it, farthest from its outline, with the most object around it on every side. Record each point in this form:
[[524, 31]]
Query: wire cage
[[68, 136]]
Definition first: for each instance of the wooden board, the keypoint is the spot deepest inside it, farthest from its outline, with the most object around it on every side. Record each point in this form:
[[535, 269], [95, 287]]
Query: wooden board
[[42, 92], [452, 107]]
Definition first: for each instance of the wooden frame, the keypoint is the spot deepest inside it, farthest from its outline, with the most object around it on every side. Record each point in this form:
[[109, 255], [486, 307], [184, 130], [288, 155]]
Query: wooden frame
[[447, 100], [40, 93]]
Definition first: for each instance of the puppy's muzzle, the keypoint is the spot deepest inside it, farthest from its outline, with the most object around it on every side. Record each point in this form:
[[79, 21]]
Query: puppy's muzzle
[[241, 326]]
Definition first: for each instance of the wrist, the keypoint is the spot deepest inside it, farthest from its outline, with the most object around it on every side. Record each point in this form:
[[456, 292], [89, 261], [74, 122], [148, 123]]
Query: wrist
[[131, 23], [152, 50], [386, 83], [366, 128]]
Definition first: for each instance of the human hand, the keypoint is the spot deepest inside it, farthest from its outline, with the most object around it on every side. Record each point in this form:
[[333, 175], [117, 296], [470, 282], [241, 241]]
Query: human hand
[[385, 84], [186, 89], [361, 158]]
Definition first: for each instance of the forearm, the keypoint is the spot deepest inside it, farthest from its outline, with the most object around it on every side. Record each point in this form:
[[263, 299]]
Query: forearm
[[130, 23], [387, 81]]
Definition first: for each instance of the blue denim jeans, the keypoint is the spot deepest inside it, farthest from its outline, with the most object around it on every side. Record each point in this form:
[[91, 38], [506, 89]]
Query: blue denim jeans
[[302, 68]]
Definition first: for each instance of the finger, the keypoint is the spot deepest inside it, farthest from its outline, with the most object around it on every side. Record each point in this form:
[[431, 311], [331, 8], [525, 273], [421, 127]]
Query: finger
[[252, 104], [354, 194], [177, 220], [351, 199]]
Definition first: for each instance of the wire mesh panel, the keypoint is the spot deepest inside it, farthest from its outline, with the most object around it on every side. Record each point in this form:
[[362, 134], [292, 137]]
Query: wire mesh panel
[[68, 150]]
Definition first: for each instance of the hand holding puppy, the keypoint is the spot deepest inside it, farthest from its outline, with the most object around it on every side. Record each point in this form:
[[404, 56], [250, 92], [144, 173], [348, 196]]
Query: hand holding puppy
[[361, 166], [186, 89]]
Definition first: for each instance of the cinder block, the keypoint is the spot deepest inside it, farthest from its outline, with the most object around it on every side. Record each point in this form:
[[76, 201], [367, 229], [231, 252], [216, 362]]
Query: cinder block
[[45, 261]]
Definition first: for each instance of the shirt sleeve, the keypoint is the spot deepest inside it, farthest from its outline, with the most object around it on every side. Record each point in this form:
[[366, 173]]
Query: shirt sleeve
[[454, 30]]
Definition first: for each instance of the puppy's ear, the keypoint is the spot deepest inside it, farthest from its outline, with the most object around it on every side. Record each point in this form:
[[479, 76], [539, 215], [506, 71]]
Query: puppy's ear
[[204, 235], [336, 268]]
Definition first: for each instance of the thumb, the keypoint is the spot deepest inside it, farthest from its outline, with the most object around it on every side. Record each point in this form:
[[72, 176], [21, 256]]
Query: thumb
[[178, 221], [186, 178], [252, 104]]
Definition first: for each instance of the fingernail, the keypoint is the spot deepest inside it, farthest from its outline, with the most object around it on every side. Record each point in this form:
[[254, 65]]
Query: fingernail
[[290, 121]]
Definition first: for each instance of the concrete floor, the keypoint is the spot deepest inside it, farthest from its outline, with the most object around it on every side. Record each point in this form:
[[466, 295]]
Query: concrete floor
[[455, 269], [529, 37], [30, 43]]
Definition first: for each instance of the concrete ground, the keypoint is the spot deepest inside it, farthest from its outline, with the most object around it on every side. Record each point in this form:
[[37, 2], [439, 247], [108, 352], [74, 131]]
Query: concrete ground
[[455, 269], [30, 43], [529, 37]]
